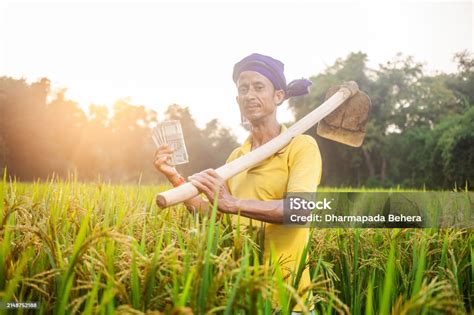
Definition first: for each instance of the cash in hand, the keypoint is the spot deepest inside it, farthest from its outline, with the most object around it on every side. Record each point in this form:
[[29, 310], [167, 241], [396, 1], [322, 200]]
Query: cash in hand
[[170, 132]]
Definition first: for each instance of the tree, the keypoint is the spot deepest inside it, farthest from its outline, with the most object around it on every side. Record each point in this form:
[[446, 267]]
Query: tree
[[419, 131], [221, 139], [407, 106], [453, 151], [342, 165], [22, 119], [208, 148], [462, 82]]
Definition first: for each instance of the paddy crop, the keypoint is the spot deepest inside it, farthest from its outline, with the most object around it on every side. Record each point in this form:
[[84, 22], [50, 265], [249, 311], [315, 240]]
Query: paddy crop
[[102, 249]]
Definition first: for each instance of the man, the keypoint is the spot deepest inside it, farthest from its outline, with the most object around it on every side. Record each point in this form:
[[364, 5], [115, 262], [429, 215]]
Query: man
[[257, 193]]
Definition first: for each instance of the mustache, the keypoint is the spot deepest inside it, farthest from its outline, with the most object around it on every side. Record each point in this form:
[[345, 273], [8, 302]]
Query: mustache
[[252, 104]]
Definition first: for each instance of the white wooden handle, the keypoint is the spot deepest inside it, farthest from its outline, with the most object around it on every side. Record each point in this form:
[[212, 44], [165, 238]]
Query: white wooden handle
[[187, 190]]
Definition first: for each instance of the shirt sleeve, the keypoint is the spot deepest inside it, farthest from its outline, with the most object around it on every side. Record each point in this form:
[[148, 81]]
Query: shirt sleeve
[[304, 165]]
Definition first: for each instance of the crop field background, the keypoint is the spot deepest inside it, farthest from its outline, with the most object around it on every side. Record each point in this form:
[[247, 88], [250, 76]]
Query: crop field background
[[82, 87], [103, 249]]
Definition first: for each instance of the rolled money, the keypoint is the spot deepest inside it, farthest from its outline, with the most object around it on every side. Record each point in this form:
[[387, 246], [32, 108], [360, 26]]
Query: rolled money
[[156, 137], [160, 134], [172, 134]]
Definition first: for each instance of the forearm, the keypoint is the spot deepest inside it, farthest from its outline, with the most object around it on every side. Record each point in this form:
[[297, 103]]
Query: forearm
[[270, 211], [213, 186]]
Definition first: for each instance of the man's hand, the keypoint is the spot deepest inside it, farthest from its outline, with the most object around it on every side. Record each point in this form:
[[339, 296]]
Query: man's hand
[[212, 185], [162, 158]]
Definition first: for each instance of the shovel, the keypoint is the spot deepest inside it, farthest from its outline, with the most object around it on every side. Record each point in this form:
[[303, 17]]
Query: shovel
[[342, 118]]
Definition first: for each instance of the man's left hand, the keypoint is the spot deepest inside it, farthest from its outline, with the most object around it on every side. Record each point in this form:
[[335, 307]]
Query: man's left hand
[[212, 185]]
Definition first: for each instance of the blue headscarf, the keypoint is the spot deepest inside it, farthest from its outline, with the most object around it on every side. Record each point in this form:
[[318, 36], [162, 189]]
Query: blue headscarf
[[272, 69]]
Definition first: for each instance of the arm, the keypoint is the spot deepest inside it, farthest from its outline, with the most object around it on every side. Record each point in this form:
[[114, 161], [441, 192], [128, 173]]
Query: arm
[[162, 156], [268, 211], [212, 185], [305, 173]]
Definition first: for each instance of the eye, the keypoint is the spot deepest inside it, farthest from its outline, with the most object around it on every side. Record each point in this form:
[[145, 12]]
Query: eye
[[243, 89], [259, 88]]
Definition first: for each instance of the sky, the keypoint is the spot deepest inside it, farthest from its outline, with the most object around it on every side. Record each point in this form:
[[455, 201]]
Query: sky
[[160, 53]]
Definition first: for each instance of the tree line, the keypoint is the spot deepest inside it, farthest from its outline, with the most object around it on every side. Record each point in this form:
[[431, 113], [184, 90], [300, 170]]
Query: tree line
[[43, 134], [420, 131], [419, 134]]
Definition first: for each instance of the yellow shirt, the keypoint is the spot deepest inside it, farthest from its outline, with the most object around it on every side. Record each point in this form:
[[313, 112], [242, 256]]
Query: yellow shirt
[[295, 168]]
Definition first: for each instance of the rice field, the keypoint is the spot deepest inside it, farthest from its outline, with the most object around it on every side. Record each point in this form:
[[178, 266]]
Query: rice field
[[104, 249]]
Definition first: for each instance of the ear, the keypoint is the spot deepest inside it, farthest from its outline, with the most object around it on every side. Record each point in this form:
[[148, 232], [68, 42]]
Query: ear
[[279, 96], [237, 100]]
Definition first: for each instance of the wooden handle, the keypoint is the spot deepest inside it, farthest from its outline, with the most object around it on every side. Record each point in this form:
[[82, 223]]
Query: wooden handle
[[187, 191]]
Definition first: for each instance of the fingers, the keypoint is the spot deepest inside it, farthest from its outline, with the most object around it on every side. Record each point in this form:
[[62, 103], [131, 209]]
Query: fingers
[[202, 188], [206, 183], [161, 159], [211, 172], [205, 179], [164, 149], [163, 155], [212, 176]]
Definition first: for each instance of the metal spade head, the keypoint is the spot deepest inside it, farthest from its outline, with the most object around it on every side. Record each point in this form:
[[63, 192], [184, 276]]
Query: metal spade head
[[347, 123]]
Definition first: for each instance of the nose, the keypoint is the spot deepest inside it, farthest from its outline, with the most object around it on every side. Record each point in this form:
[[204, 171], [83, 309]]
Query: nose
[[250, 95]]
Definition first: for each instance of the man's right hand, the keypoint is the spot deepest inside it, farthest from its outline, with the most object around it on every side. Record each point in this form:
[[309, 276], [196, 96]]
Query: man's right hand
[[162, 157]]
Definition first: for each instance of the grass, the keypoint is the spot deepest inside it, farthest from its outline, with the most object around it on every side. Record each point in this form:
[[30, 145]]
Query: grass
[[102, 249]]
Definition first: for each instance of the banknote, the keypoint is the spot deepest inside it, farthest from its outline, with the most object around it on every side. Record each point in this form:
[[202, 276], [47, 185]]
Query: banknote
[[170, 132]]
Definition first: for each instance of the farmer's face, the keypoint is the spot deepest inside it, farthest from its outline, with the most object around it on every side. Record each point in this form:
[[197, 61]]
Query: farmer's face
[[257, 98]]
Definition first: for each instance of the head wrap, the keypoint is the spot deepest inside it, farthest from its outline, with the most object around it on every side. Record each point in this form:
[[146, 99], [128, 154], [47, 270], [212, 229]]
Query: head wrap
[[272, 69]]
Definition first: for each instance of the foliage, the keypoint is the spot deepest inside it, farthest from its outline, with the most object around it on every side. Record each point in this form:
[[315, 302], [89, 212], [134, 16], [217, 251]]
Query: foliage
[[418, 133], [39, 137], [419, 129], [98, 248]]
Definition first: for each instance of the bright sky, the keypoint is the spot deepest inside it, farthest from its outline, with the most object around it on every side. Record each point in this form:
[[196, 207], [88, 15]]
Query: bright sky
[[161, 53]]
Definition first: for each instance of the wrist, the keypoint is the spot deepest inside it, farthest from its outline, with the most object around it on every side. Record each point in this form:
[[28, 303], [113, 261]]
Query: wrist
[[176, 179], [234, 206]]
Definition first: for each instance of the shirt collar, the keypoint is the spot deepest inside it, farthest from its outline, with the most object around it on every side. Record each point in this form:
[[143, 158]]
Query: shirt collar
[[247, 145]]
